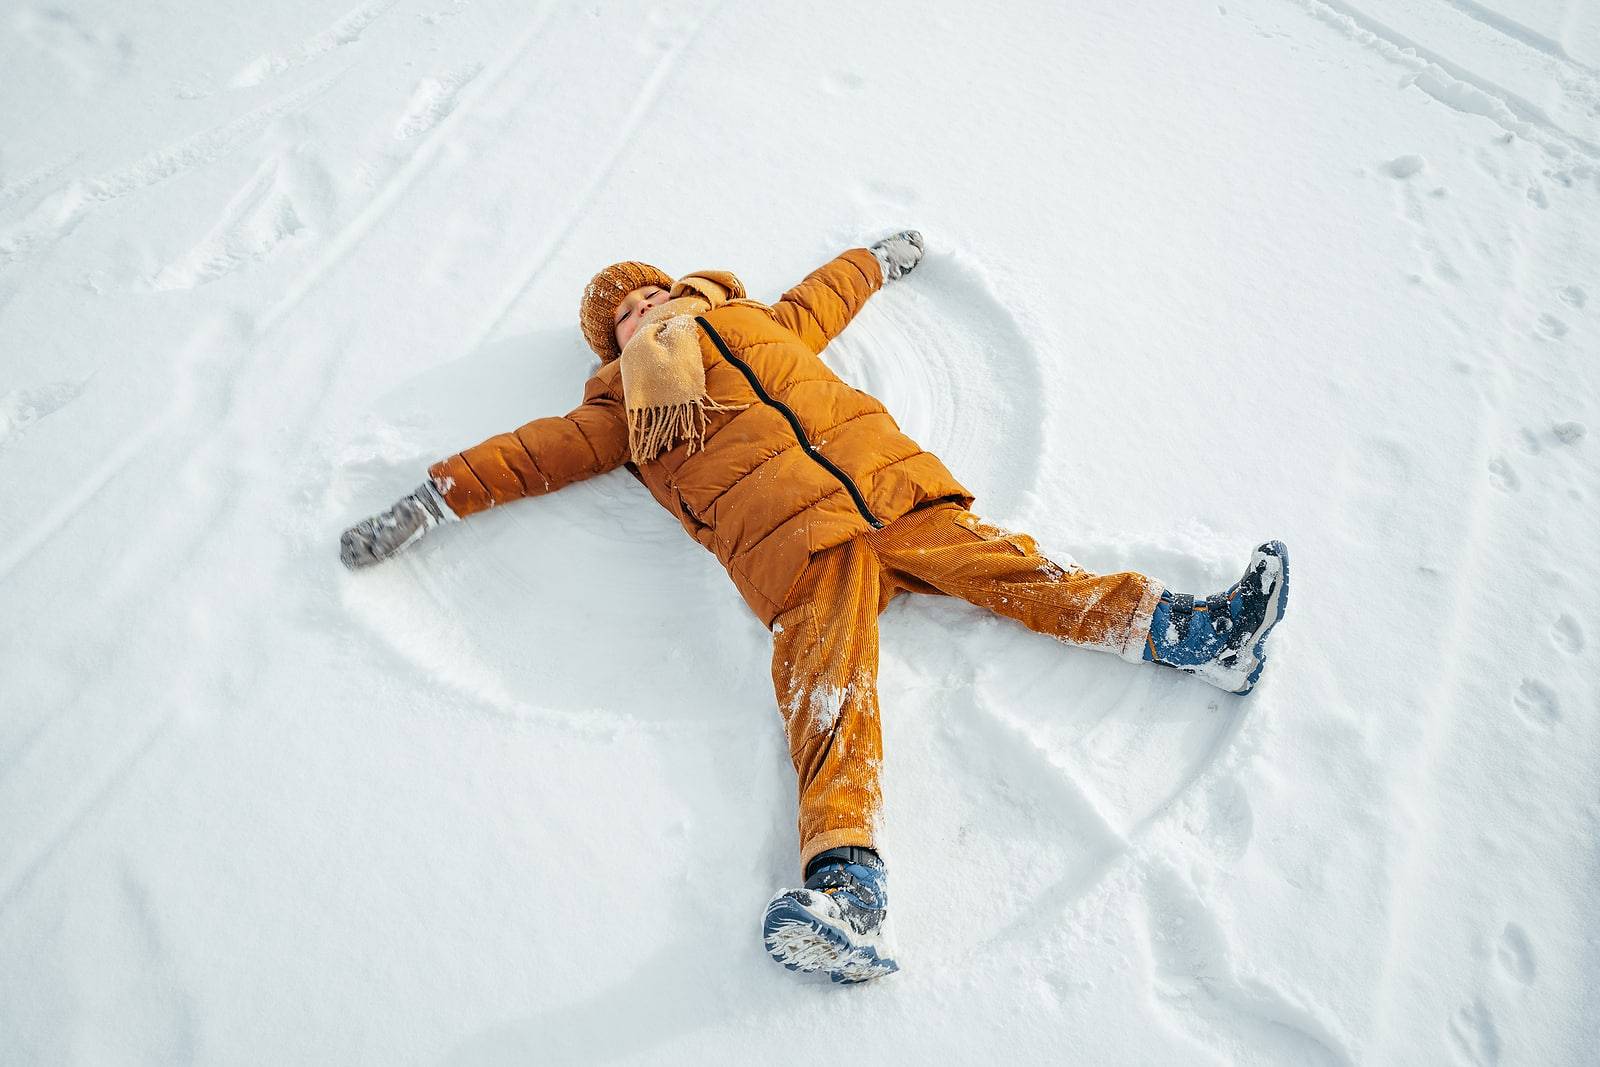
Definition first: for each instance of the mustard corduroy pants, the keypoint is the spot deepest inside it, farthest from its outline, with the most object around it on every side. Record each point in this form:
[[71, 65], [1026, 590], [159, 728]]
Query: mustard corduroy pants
[[825, 642]]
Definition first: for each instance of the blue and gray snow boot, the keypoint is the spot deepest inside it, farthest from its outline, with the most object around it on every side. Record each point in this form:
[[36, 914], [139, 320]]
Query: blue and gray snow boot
[[836, 924], [1222, 637]]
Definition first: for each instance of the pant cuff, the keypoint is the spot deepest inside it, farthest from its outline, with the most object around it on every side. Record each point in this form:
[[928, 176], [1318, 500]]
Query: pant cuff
[[1139, 626], [861, 837]]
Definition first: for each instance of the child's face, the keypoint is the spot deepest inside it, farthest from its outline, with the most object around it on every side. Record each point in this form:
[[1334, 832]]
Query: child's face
[[633, 308]]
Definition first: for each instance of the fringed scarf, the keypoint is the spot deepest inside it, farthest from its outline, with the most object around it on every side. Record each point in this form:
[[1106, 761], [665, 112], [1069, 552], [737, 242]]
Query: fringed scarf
[[663, 378]]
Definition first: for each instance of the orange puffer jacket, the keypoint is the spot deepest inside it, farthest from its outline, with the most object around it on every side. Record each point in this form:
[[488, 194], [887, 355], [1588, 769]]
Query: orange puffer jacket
[[809, 464]]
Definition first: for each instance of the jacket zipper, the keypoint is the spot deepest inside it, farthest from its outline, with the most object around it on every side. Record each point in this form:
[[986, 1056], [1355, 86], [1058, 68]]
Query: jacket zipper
[[794, 424]]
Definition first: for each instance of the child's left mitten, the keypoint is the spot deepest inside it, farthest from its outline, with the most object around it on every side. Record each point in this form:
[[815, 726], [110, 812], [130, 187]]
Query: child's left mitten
[[376, 539], [898, 253]]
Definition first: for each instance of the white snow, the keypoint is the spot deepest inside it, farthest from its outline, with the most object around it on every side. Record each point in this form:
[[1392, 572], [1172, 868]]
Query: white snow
[[1197, 276]]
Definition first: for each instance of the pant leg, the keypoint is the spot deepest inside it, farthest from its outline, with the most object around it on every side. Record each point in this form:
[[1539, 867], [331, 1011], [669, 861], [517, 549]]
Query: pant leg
[[957, 553], [825, 674]]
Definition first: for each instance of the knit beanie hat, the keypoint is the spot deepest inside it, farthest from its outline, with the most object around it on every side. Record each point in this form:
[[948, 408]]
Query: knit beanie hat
[[597, 313]]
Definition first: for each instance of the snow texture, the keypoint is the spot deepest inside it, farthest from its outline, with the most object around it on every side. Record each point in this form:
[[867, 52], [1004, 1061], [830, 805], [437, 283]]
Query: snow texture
[[1198, 275]]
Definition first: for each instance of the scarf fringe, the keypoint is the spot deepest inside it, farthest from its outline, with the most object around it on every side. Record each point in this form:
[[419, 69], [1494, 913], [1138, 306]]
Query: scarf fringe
[[663, 381], [653, 430]]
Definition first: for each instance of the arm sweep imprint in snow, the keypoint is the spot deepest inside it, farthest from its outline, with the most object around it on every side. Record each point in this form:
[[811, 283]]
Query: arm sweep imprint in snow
[[958, 372], [544, 593], [603, 554], [1198, 987]]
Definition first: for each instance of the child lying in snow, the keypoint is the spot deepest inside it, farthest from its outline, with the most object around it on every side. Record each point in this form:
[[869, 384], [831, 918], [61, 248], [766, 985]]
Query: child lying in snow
[[822, 511]]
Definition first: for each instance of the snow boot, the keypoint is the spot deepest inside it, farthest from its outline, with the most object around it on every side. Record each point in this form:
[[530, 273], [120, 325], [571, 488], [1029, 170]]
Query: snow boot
[[1222, 637], [836, 924]]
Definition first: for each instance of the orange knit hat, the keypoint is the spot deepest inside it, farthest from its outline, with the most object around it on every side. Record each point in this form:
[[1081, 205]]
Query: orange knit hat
[[602, 295]]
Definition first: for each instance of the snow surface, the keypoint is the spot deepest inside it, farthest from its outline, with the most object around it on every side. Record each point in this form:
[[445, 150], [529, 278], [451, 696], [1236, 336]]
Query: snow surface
[[1198, 275]]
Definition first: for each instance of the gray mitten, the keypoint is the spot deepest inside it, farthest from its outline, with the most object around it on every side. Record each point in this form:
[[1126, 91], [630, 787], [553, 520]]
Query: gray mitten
[[898, 253], [376, 539]]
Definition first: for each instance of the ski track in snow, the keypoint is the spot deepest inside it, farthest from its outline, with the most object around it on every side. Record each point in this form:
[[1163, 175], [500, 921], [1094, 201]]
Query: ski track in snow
[[1456, 86], [62, 211], [214, 257], [347, 31], [273, 207], [1503, 23], [192, 384], [434, 99]]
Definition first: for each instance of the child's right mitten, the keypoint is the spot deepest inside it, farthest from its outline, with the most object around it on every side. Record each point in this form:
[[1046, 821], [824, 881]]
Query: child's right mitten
[[376, 539]]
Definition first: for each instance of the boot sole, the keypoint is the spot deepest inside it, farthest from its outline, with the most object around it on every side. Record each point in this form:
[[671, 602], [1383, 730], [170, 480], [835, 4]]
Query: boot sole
[[803, 942], [1280, 601]]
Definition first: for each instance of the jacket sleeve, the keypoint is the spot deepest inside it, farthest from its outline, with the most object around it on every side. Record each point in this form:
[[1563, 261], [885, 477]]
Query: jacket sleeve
[[822, 305], [540, 457]]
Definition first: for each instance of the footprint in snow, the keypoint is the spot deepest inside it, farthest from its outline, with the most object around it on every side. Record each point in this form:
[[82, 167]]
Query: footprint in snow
[[1514, 953], [1473, 1033], [1406, 166], [1569, 433], [1551, 327], [842, 83], [1537, 702], [1567, 635], [1573, 296], [1503, 476], [21, 408]]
